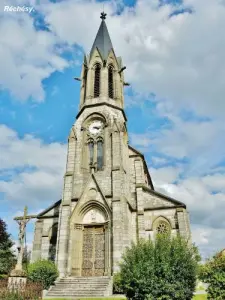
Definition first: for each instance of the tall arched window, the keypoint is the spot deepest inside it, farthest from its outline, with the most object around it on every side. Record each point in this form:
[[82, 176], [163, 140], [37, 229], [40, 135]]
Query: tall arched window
[[53, 240], [97, 80], [91, 152], [110, 82], [99, 155]]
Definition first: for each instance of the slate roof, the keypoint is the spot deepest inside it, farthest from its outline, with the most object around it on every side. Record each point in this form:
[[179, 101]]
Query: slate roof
[[102, 41]]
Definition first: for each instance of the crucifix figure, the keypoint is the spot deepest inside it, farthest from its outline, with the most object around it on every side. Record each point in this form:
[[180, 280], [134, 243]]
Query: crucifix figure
[[22, 221]]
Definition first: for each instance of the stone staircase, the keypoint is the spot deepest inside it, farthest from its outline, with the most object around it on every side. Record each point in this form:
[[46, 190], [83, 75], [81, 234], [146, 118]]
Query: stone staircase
[[78, 287]]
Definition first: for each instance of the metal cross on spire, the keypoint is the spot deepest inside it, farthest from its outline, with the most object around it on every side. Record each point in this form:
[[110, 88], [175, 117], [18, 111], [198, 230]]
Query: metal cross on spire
[[103, 15]]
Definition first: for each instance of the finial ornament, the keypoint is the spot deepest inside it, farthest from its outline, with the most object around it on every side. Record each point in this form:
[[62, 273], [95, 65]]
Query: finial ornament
[[103, 15]]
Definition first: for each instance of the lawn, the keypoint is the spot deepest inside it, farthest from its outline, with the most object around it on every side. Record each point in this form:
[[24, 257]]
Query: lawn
[[200, 297], [105, 298], [197, 297]]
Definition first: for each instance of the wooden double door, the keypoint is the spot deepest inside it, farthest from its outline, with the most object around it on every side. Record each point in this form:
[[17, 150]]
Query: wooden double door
[[93, 251]]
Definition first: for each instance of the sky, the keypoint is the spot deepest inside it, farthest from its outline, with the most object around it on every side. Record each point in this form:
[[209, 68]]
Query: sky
[[174, 54]]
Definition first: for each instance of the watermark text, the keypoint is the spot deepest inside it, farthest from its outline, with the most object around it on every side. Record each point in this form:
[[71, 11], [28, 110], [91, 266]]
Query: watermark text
[[28, 9]]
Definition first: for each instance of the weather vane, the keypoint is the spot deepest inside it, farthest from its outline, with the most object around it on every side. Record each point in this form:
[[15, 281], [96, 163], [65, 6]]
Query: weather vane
[[103, 15]]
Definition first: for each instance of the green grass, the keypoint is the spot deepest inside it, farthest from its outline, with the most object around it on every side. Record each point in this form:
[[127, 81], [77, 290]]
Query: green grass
[[197, 297], [105, 298], [200, 297]]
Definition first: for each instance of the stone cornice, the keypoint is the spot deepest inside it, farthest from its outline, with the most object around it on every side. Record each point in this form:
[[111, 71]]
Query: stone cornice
[[100, 104]]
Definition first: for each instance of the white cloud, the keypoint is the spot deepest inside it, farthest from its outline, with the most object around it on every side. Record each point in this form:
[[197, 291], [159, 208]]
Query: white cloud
[[201, 143], [142, 140], [35, 169], [165, 174], [159, 161], [209, 240], [30, 152], [27, 57]]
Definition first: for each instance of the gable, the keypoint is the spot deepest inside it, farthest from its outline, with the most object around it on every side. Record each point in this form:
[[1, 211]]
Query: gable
[[135, 153], [51, 211], [156, 200], [92, 193]]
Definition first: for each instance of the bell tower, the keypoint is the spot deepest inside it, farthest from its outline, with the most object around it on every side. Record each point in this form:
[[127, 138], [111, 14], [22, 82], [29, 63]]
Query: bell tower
[[97, 172], [102, 78]]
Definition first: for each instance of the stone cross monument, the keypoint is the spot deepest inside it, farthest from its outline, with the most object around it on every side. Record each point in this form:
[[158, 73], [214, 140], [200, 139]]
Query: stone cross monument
[[17, 276]]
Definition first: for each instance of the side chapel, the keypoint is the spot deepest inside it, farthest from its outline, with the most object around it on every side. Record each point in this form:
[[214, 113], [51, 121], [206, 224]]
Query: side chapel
[[108, 198]]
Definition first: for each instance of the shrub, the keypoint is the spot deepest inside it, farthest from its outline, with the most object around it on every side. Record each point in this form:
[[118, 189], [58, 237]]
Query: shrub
[[213, 273], [166, 269], [43, 271], [117, 284], [32, 291]]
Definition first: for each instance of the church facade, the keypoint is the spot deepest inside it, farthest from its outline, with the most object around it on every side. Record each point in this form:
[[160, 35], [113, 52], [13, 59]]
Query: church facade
[[108, 199]]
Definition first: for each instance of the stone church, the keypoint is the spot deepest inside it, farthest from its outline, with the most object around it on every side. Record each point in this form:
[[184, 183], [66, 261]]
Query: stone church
[[108, 198]]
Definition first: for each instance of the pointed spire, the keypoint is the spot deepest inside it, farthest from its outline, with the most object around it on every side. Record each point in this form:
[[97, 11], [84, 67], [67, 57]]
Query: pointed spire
[[102, 40]]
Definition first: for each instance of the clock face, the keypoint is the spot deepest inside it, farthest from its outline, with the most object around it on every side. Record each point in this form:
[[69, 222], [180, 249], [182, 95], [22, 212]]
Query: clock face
[[95, 127]]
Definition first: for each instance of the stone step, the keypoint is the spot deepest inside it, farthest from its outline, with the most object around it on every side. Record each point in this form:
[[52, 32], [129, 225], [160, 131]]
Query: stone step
[[71, 294], [84, 280], [86, 277], [90, 292], [81, 287], [81, 283], [62, 296], [78, 288]]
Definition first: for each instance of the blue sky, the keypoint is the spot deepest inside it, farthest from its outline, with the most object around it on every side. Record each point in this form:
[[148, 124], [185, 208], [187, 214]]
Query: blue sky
[[174, 53]]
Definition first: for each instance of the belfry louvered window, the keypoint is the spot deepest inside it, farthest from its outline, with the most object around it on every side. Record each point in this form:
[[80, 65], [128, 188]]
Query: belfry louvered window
[[110, 82], [85, 83], [97, 80]]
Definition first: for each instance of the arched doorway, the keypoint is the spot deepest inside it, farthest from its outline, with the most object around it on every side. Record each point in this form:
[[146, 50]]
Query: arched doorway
[[90, 249], [93, 246]]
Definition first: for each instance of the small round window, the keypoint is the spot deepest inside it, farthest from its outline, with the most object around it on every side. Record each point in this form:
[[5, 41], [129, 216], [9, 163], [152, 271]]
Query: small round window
[[163, 228]]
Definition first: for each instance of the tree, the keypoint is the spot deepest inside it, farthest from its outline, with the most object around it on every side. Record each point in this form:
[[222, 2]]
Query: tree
[[213, 273], [164, 269], [7, 258]]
